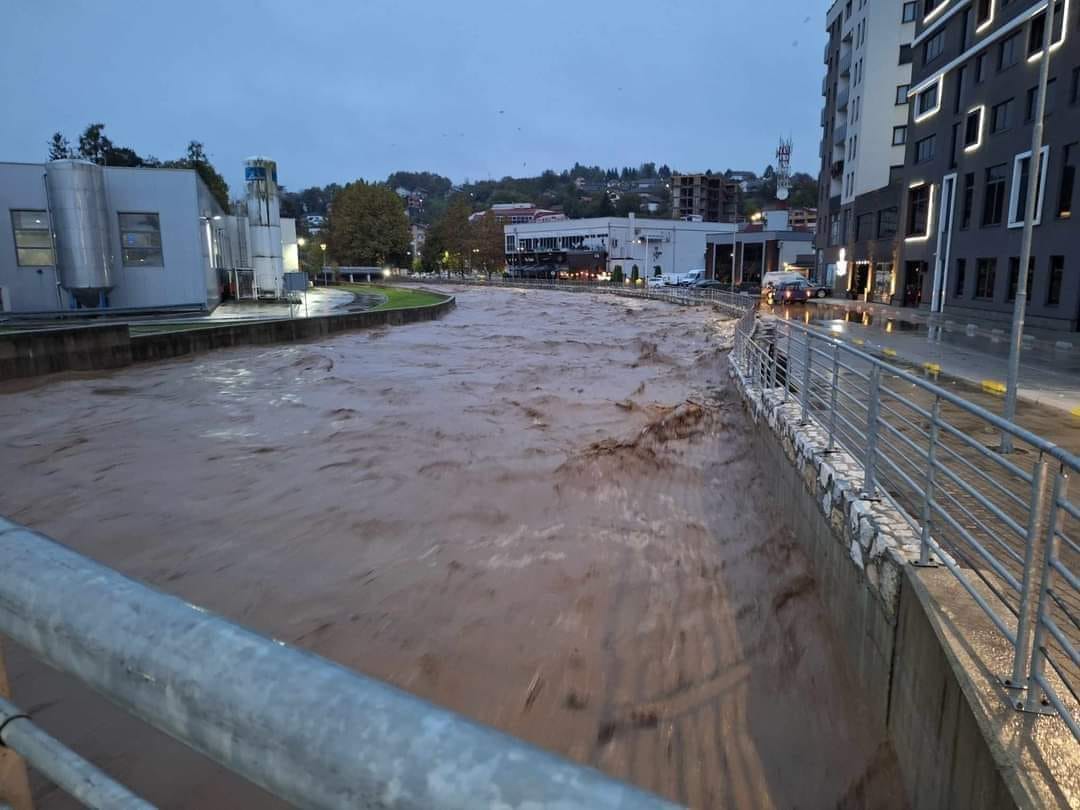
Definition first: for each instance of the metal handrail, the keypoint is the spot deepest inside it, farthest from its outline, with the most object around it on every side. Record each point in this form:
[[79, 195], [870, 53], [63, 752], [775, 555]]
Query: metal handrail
[[308, 730], [988, 518]]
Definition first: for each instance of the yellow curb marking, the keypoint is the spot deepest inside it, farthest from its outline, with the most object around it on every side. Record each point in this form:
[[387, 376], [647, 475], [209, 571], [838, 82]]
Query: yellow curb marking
[[932, 368], [889, 352], [993, 387]]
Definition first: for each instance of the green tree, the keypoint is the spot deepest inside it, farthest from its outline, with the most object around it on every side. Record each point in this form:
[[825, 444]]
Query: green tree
[[431, 254], [59, 148], [94, 145], [487, 244], [368, 226], [628, 204], [196, 159], [451, 233]]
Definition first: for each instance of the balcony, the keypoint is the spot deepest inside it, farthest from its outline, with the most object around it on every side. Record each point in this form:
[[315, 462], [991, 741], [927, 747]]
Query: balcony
[[839, 135], [845, 64], [842, 100]]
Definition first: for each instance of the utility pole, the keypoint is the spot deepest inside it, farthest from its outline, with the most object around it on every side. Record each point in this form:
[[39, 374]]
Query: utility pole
[[1034, 174]]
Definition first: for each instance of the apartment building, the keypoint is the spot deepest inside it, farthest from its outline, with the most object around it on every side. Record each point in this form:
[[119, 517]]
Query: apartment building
[[973, 99], [710, 197], [864, 130]]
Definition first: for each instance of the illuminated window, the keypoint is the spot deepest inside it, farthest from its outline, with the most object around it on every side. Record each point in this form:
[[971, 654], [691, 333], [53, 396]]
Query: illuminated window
[[918, 210], [983, 11], [928, 100], [33, 243], [1020, 180], [972, 127]]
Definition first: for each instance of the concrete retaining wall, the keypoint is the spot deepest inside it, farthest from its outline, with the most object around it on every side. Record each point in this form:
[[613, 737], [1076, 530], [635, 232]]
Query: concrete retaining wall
[[885, 619], [93, 348]]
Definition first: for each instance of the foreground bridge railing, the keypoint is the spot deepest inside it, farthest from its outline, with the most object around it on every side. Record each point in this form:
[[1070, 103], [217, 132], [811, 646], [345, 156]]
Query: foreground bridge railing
[[1000, 523], [310, 731]]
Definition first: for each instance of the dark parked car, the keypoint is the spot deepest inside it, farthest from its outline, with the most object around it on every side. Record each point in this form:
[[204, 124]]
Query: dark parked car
[[709, 284], [791, 292]]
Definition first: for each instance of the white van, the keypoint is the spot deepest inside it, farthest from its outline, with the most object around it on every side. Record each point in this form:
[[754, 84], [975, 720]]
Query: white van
[[691, 277], [778, 277]]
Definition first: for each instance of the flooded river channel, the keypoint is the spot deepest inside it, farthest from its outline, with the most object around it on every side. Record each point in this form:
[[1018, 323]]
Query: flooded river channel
[[542, 511]]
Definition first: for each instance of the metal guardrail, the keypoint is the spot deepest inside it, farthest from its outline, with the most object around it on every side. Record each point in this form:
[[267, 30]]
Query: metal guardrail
[[734, 303], [999, 523], [312, 732]]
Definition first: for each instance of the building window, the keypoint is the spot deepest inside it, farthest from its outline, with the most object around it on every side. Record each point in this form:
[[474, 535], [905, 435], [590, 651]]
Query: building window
[[834, 229], [1068, 178], [909, 12], [973, 128], [980, 68], [929, 5], [1001, 116], [140, 240], [510, 243], [886, 224], [1033, 99], [1021, 177], [1074, 91], [899, 136], [934, 47], [959, 279], [33, 242], [1014, 276], [864, 226], [983, 12], [928, 100], [968, 200], [924, 149], [961, 74], [918, 220], [994, 201], [1053, 288], [905, 54], [1009, 52], [1036, 31], [901, 94], [985, 271]]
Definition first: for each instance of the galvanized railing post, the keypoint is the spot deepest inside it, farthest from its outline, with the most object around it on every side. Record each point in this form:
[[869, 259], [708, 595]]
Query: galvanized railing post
[[872, 410], [1034, 533], [832, 397], [928, 489], [1034, 699], [804, 392], [775, 355]]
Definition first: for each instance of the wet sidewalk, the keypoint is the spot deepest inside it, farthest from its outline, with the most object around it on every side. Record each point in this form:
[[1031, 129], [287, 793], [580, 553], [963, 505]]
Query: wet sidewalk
[[963, 348]]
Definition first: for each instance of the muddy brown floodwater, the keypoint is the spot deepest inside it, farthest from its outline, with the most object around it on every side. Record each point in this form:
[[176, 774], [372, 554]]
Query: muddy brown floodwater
[[542, 511]]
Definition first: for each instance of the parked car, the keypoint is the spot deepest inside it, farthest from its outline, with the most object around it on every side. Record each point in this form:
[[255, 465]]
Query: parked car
[[709, 284], [654, 281], [790, 292], [691, 278], [821, 290]]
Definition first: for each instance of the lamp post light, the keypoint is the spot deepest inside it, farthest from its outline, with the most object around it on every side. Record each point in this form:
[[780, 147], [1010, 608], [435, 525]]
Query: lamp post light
[[1034, 176]]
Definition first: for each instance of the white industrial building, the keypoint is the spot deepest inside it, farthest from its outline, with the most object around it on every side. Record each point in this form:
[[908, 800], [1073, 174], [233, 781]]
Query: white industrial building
[[602, 244], [80, 236]]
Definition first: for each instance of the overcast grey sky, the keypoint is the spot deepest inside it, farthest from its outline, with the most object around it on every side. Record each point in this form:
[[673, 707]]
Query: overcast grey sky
[[340, 89]]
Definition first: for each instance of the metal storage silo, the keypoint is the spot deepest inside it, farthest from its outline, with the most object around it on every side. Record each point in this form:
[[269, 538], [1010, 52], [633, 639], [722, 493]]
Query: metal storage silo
[[264, 218], [80, 222]]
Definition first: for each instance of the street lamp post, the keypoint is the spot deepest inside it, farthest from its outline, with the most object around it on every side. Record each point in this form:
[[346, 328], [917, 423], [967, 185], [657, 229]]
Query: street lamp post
[[1030, 207]]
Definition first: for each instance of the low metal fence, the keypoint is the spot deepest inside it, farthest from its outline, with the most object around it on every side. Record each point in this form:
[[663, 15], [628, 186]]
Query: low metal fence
[[1000, 523], [734, 303], [305, 729]]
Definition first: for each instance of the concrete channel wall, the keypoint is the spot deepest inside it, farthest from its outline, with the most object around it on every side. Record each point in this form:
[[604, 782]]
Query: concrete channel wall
[[98, 348], [884, 617]]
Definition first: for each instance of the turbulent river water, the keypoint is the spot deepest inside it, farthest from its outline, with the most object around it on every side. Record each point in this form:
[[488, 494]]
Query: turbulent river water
[[542, 511]]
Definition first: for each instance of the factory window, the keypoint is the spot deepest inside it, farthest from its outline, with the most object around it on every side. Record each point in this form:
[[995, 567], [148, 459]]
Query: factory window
[[140, 240], [908, 13], [33, 244]]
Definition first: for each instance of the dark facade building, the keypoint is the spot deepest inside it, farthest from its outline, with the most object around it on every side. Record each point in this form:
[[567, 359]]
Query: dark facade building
[[712, 197], [864, 123], [973, 104]]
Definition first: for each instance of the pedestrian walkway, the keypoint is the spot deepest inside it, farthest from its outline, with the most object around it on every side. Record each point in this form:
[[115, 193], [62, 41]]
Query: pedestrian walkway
[[975, 351]]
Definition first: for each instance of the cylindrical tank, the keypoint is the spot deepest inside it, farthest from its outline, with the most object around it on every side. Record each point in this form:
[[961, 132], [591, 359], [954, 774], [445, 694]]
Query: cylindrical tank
[[80, 223], [264, 217]]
